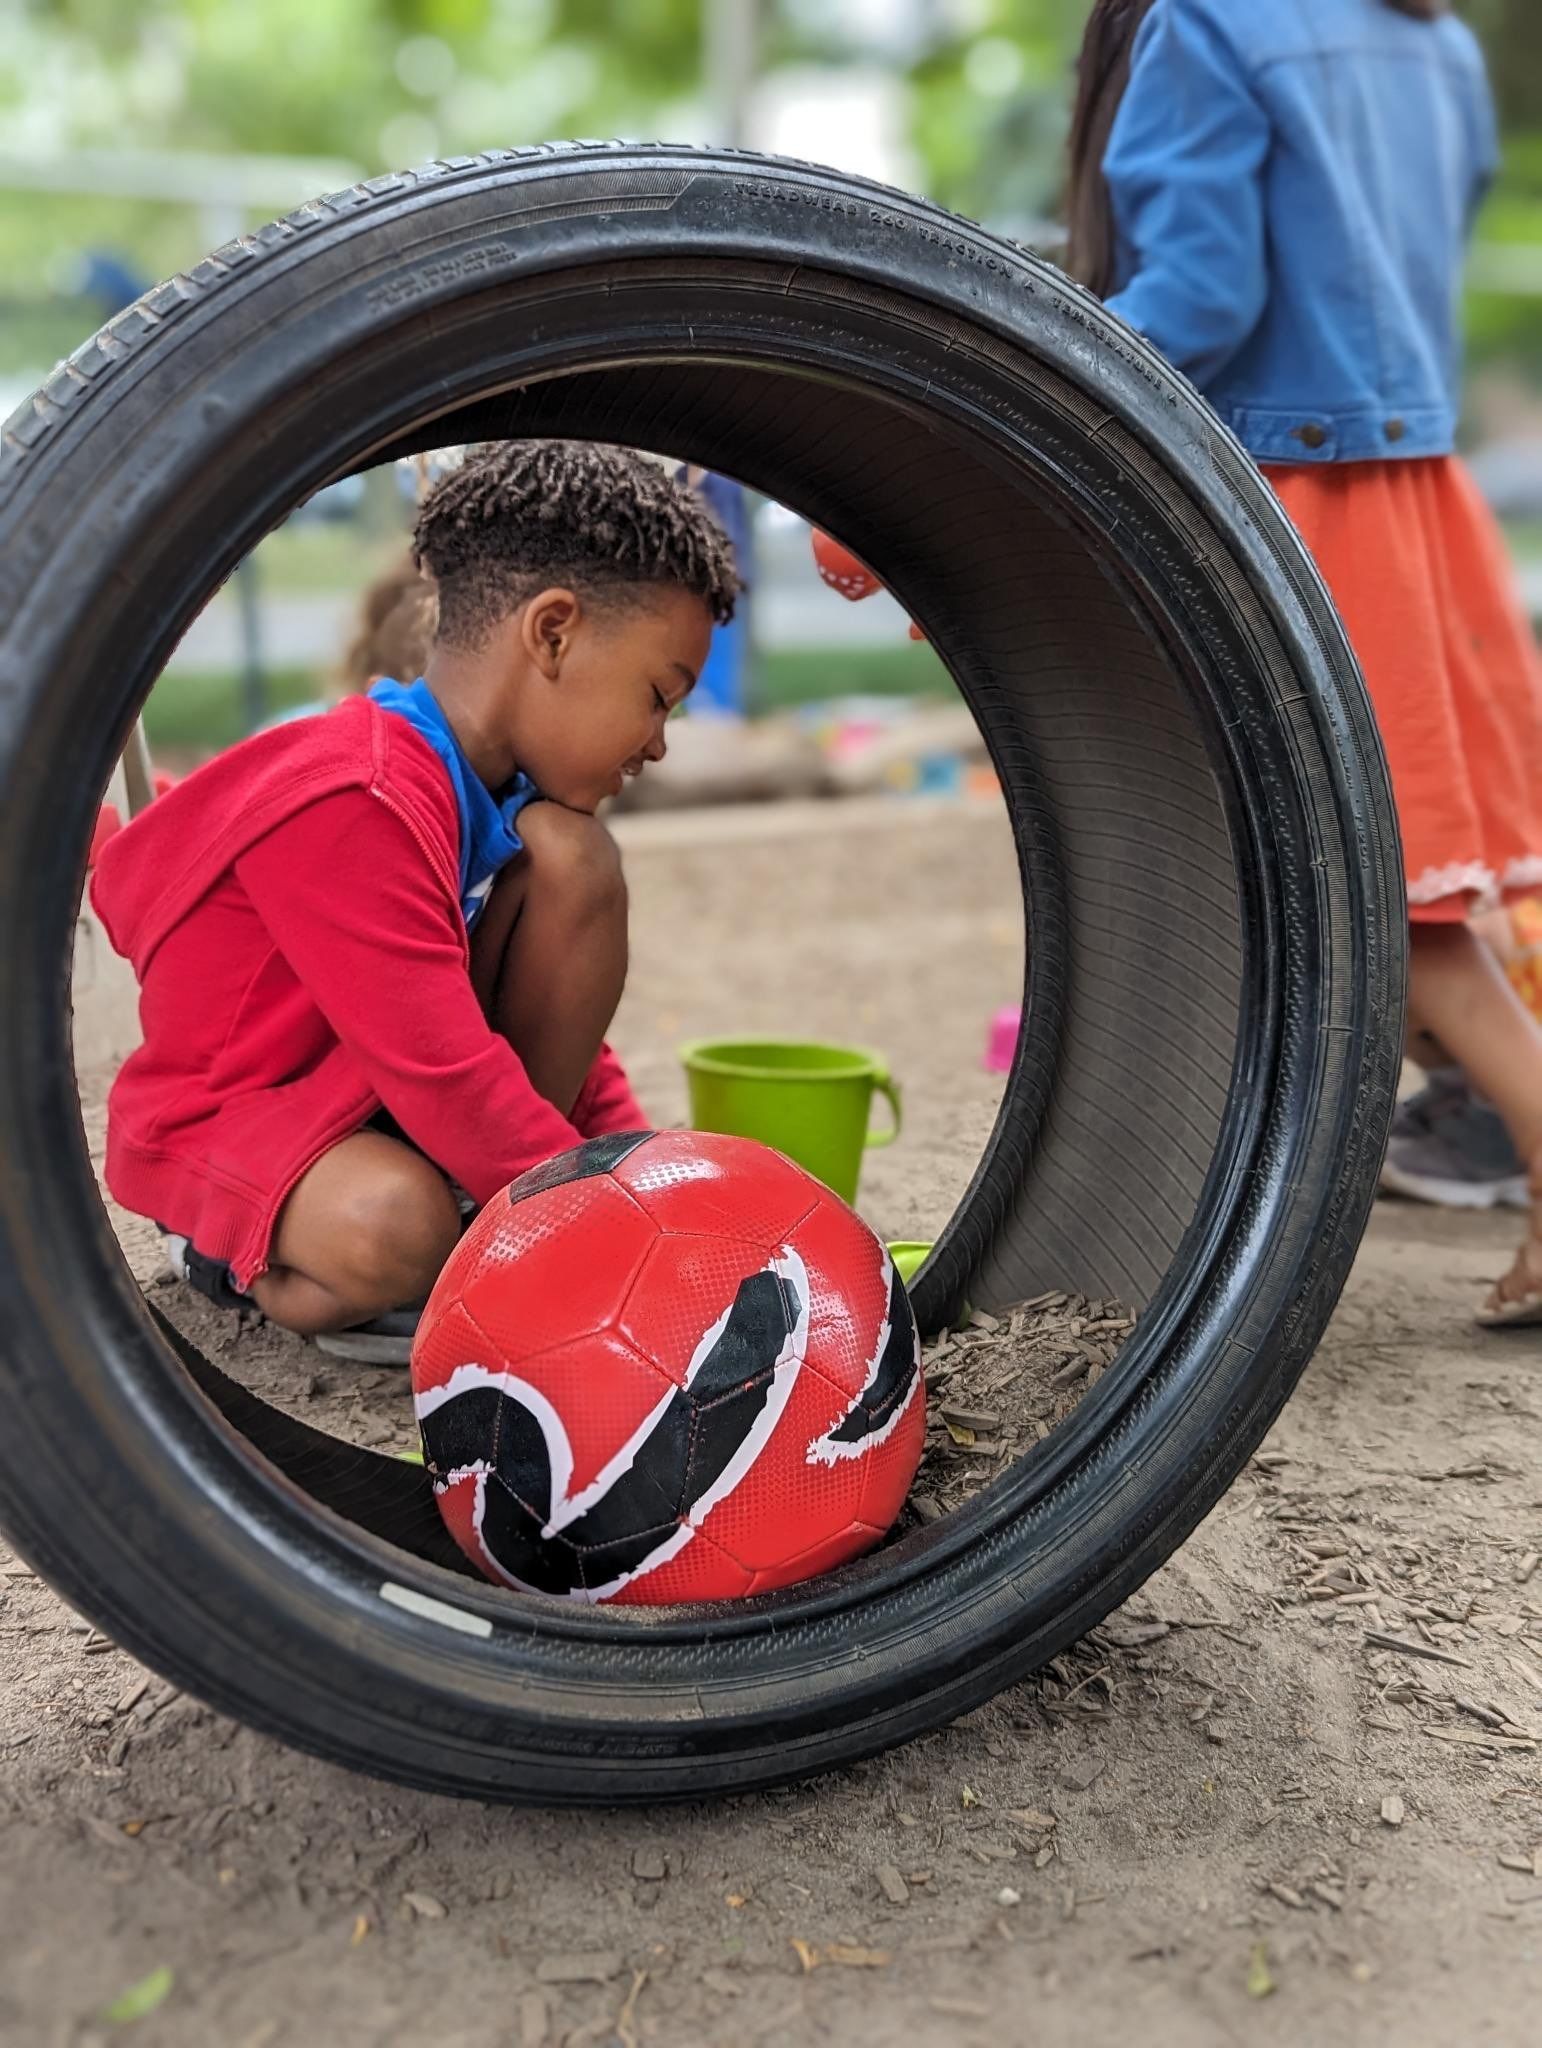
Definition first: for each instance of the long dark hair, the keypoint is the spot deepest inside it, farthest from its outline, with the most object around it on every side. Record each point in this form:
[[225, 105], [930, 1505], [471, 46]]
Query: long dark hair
[[1102, 73]]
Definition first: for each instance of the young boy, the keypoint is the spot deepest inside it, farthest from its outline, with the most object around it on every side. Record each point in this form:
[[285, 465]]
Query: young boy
[[378, 951]]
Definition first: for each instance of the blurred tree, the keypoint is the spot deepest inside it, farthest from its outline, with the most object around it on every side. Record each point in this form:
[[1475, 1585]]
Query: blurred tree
[[992, 100], [1512, 33]]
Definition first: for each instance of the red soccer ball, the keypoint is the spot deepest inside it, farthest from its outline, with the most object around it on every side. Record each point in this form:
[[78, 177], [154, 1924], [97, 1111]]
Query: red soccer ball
[[668, 1366]]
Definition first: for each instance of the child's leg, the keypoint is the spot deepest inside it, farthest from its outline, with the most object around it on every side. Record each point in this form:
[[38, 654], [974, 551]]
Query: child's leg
[[548, 958], [1460, 995], [367, 1229]]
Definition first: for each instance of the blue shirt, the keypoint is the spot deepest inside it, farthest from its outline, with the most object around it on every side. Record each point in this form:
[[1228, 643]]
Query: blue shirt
[[488, 839], [1293, 184]]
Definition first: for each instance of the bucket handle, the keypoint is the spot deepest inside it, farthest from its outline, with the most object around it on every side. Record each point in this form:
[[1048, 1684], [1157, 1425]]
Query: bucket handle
[[885, 1085]]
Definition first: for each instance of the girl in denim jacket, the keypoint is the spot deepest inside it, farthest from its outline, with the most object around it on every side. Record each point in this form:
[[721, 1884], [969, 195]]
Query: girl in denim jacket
[[1279, 197]]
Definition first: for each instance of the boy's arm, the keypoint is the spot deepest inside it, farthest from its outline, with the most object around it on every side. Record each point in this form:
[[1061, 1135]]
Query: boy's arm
[[344, 892], [1185, 175], [606, 1103]]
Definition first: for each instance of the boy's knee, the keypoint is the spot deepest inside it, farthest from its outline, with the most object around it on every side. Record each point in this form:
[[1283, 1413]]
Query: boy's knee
[[574, 859], [402, 1226]]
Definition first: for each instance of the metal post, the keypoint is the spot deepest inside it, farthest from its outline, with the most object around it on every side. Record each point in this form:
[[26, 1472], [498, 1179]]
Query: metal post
[[254, 679], [730, 61], [136, 775]]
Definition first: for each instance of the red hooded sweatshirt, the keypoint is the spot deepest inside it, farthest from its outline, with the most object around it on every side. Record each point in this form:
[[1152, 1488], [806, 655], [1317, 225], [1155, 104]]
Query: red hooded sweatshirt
[[292, 912]]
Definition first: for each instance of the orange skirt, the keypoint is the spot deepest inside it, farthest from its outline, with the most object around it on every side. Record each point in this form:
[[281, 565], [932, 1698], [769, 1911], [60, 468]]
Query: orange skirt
[[1420, 575]]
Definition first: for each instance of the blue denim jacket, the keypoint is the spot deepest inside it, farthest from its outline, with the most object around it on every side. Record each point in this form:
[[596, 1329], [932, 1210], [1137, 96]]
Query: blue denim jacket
[[1293, 184]]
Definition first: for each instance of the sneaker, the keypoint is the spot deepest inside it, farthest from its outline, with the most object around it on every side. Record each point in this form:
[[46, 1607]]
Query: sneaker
[[383, 1340], [209, 1277], [1449, 1147]]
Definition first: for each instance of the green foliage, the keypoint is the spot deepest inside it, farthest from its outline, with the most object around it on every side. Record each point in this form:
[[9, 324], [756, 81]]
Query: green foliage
[[194, 712], [991, 103]]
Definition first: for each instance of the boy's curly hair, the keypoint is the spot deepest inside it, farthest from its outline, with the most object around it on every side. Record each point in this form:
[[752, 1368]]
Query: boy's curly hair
[[516, 516]]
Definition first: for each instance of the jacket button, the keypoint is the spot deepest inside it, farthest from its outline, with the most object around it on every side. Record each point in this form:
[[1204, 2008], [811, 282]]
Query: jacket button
[[1312, 435], [1395, 430]]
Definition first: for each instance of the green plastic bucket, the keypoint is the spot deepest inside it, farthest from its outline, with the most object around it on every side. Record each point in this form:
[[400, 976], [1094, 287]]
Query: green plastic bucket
[[909, 1255], [814, 1102]]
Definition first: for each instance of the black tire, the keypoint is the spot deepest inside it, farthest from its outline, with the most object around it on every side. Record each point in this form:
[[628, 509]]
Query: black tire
[[1209, 863]]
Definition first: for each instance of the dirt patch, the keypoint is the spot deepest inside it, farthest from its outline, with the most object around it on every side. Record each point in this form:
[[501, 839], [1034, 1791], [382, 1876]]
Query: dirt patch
[[999, 1385], [1290, 1794]]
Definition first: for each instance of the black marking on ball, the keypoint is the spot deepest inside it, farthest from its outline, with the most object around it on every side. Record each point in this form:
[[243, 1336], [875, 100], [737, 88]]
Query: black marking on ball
[[691, 1446], [890, 1387], [583, 1162]]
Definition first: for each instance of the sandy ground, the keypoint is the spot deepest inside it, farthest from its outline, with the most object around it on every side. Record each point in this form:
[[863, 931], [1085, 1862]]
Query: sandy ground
[[1232, 1815]]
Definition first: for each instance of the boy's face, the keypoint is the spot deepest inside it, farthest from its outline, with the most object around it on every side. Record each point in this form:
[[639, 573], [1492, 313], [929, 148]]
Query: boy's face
[[600, 680]]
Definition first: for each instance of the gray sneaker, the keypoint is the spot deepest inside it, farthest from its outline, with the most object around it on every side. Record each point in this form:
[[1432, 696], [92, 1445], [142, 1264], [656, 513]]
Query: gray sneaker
[[1449, 1147], [383, 1340]]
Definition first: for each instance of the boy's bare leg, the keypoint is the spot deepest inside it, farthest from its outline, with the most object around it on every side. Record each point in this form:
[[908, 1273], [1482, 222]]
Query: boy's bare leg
[[367, 1229], [1460, 995], [548, 958]]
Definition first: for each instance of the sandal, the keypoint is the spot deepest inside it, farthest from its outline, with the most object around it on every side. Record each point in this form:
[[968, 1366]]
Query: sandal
[[1507, 1310]]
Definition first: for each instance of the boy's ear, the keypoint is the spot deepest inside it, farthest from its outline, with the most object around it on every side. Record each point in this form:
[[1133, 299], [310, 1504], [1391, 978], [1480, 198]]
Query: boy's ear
[[547, 628]]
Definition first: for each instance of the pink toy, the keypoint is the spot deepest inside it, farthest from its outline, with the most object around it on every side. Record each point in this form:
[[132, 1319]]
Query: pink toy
[[1001, 1045]]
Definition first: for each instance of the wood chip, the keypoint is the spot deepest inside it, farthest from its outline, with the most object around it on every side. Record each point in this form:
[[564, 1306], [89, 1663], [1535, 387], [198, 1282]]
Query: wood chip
[[1408, 1648], [892, 1884], [842, 1953], [1393, 1811], [1484, 1714], [1127, 1634], [971, 1418], [1527, 1566], [1526, 1672], [1468, 1738], [1068, 1375]]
